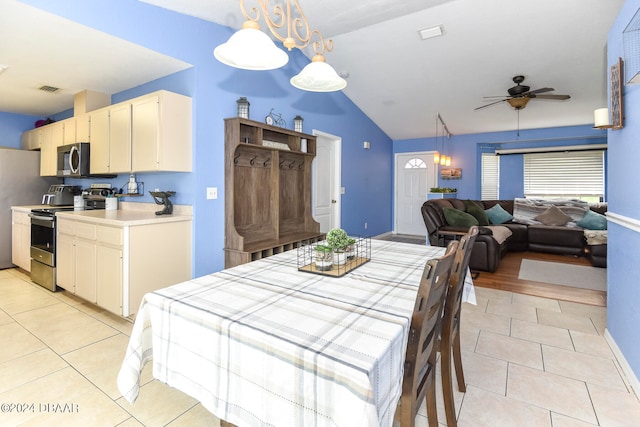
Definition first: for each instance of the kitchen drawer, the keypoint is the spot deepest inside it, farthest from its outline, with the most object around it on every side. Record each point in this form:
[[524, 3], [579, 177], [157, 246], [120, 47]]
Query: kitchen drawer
[[110, 235], [66, 227], [85, 230]]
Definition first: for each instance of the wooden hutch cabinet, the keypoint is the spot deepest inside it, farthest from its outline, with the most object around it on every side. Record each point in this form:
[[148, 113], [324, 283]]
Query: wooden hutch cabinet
[[267, 190]]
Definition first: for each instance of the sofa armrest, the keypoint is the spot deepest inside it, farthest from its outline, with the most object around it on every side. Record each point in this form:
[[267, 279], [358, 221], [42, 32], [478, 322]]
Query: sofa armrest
[[485, 231]]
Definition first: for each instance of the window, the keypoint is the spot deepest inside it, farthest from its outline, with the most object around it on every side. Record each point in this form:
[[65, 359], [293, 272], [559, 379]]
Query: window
[[490, 176], [415, 164], [574, 175]]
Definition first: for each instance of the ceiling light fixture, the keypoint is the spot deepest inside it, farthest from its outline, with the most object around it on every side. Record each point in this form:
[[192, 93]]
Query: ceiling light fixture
[[251, 49], [427, 33]]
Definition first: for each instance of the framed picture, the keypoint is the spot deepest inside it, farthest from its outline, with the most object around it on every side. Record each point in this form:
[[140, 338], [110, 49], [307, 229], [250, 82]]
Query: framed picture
[[451, 173], [615, 95]]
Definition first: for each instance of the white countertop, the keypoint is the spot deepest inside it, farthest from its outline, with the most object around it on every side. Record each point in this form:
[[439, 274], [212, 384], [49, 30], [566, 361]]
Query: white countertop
[[30, 207], [121, 217], [128, 214]]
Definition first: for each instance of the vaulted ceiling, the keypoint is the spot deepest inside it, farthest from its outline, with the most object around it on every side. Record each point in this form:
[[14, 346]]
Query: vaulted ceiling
[[400, 81]]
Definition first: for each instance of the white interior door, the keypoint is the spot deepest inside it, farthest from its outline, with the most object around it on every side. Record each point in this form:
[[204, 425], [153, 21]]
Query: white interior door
[[325, 193], [415, 174]]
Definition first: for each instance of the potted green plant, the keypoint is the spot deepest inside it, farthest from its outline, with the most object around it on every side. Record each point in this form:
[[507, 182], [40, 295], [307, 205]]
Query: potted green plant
[[350, 249], [324, 257], [338, 240], [442, 193]]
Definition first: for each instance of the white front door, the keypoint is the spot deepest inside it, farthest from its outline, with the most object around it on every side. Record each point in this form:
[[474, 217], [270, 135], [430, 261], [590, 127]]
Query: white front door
[[325, 193], [415, 174]]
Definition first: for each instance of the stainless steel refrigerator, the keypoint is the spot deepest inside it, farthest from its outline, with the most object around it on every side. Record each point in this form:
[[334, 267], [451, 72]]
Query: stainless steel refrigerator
[[20, 185]]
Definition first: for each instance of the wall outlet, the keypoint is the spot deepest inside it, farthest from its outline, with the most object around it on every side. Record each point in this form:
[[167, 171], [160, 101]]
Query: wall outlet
[[366, 225], [342, 190], [212, 193]]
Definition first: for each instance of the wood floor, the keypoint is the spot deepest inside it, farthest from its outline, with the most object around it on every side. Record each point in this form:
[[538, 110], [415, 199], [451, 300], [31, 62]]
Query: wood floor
[[506, 278]]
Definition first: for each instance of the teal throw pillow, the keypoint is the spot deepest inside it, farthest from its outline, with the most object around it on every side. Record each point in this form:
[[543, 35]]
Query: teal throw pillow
[[593, 221], [477, 212], [497, 214], [458, 218]]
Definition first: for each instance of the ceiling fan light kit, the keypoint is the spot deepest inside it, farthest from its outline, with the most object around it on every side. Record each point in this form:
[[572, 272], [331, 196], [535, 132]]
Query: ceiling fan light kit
[[251, 49], [520, 95]]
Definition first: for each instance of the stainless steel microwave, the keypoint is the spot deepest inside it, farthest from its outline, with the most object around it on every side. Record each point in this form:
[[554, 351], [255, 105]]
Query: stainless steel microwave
[[73, 160]]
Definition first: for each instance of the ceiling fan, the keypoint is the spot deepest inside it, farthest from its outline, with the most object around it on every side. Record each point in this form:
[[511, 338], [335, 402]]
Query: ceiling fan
[[520, 95]]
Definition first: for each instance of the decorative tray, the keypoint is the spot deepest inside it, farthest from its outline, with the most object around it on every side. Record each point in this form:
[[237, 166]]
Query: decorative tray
[[317, 258]]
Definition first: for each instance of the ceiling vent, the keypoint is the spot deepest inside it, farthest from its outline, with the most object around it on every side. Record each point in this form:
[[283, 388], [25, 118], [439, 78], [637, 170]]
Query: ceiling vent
[[50, 89]]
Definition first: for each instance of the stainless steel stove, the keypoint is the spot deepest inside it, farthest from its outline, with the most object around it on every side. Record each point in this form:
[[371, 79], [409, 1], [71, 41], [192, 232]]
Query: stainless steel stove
[[43, 244]]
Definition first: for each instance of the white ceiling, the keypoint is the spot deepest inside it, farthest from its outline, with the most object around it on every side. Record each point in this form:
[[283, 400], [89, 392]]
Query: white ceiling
[[398, 80], [44, 49]]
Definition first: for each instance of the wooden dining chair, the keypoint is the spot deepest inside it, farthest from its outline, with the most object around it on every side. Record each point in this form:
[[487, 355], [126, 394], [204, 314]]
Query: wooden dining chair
[[419, 380], [450, 336]]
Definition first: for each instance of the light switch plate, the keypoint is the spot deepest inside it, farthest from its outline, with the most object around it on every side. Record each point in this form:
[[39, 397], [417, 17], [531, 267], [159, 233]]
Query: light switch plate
[[212, 193]]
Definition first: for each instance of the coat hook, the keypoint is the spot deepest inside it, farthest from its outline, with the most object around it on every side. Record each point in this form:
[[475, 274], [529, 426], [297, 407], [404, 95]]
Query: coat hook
[[252, 161], [266, 162], [235, 159]]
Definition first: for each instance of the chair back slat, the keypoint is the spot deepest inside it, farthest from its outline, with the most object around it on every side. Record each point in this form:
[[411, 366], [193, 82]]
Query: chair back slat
[[425, 329], [450, 337], [453, 302]]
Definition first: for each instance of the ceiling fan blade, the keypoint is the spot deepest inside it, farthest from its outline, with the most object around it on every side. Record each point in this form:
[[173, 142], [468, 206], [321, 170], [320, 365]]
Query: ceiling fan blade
[[489, 105], [557, 97], [497, 96], [541, 90]]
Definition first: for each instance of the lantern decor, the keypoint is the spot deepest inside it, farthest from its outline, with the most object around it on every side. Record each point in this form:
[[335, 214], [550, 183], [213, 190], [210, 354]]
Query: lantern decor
[[243, 107], [297, 123]]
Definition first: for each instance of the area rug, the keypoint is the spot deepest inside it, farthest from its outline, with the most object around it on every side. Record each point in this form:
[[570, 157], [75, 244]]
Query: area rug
[[557, 273]]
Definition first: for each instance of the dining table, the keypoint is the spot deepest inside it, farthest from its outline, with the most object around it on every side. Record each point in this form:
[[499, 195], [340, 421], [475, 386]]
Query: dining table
[[266, 344]]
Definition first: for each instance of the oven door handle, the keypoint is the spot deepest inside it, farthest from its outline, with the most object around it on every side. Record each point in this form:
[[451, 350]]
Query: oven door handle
[[41, 217]]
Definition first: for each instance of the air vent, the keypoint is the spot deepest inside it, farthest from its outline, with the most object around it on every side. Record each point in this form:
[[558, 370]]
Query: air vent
[[50, 89]]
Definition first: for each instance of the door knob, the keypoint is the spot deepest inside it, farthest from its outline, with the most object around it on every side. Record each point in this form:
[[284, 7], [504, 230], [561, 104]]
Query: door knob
[[333, 201]]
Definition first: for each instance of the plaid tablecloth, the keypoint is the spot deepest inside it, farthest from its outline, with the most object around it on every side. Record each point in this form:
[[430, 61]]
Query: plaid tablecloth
[[263, 344]]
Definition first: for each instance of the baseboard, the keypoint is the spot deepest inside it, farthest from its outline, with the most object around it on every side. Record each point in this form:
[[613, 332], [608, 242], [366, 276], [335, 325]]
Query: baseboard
[[626, 368], [384, 235]]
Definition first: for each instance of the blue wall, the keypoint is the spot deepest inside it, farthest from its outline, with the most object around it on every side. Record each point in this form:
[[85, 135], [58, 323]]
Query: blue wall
[[623, 295], [214, 88], [12, 126], [466, 151]]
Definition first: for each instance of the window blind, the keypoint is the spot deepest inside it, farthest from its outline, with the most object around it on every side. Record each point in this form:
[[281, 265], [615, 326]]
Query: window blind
[[490, 176], [567, 174]]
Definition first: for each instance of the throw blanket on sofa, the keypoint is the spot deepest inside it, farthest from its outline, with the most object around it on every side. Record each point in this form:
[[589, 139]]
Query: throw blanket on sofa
[[525, 210], [500, 232], [596, 237]]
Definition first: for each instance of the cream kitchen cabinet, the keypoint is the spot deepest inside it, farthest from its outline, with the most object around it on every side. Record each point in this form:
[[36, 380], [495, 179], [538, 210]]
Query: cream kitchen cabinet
[[52, 137], [111, 139], [76, 129], [114, 265], [31, 139], [161, 132], [21, 239], [76, 249]]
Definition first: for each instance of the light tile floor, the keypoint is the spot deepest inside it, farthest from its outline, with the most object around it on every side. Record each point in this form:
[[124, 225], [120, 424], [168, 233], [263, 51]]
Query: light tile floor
[[528, 361]]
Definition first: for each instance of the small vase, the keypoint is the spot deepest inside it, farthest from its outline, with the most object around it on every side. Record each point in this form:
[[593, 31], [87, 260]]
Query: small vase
[[324, 260], [339, 257], [351, 251]]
